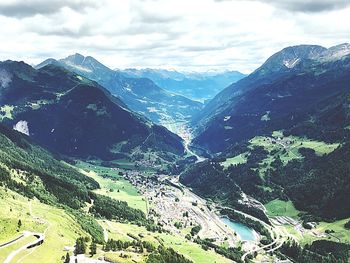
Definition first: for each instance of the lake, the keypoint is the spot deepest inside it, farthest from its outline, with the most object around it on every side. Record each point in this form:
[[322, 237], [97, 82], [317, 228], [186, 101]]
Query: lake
[[243, 231]]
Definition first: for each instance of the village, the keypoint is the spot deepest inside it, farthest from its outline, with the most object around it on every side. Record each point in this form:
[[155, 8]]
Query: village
[[178, 210]]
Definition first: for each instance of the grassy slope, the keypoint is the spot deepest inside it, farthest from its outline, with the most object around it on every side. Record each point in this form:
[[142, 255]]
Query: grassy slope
[[290, 151], [61, 229], [127, 192], [280, 149], [6, 112], [239, 159], [179, 244], [120, 231], [281, 208], [7, 250]]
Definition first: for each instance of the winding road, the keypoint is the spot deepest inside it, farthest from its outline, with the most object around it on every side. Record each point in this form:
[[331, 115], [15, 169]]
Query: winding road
[[40, 237], [276, 237]]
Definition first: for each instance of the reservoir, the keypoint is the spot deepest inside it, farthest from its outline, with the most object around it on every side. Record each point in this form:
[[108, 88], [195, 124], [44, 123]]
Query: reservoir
[[245, 233]]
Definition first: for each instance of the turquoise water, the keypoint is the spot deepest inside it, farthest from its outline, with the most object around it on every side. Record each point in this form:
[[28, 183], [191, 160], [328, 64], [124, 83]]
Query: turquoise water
[[243, 231]]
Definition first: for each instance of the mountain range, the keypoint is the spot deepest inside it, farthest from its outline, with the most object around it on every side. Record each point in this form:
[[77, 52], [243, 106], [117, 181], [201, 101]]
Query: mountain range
[[141, 95], [75, 116], [280, 133], [87, 143], [201, 86], [296, 87]]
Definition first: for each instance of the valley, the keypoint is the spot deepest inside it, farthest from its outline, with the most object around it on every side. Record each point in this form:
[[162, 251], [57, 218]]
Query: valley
[[181, 127], [100, 165], [171, 205]]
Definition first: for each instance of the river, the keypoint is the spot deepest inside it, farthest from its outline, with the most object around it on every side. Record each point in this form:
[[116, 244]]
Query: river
[[182, 129]]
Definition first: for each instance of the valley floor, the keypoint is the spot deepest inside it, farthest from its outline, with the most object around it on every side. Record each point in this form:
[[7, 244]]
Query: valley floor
[[163, 199]]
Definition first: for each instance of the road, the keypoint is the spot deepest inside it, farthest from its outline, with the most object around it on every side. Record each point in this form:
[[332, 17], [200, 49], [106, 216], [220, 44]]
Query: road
[[9, 243], [39, 240], [276, 237], [211, 220]]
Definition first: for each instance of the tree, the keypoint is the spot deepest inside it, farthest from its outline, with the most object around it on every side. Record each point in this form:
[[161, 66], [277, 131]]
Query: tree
[[93, 248], [195, 230], [19, 224], [347, 225], [67, 258], [80, 246]]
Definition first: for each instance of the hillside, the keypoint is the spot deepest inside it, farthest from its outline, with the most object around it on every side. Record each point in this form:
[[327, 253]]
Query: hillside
[[75, 116], [43, 197], [141, 95], [32, 171], [281, 133], [312, 174], [292, 89]]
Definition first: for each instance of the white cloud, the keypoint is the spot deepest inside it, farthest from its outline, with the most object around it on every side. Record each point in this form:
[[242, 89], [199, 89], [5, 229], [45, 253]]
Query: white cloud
[[184, 34], [309, 6]]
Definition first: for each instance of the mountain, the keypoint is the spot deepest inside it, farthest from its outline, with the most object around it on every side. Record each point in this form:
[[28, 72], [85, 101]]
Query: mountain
[[281, 133], [292, 88], [194, 85], [75, 116], [33, 177], [141, 95]]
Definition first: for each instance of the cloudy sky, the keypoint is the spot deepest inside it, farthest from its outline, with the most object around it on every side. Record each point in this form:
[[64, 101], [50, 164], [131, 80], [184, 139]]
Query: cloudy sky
[[182, 34]]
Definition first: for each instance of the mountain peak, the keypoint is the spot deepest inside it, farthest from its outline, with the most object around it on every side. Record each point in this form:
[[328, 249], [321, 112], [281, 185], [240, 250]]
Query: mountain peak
[[81, 63], [76, 58], [289, 57], [337, 52]]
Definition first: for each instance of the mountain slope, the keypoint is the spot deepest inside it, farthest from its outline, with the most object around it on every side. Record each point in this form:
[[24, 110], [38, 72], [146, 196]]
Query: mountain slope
[[281, 94], [32, 171], [281, 133], [74, 116], [197, 86], [140, 94]]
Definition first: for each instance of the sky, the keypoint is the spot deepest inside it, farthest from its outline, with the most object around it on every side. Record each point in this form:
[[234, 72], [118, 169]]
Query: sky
[[189, 35]]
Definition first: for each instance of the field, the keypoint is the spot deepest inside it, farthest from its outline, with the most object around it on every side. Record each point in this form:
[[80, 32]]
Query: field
[[279, 146], [60, 229], [340, 232], [179, 244], [6, 112], [125, 256], [7, 250], [287, 148], [239, 159], [114, 185], [281, 208]]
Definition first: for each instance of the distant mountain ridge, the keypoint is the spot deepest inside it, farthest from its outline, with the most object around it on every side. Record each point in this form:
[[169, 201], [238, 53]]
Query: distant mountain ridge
[[291, 57], [139, 94], [75, 116], [200, 86]]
